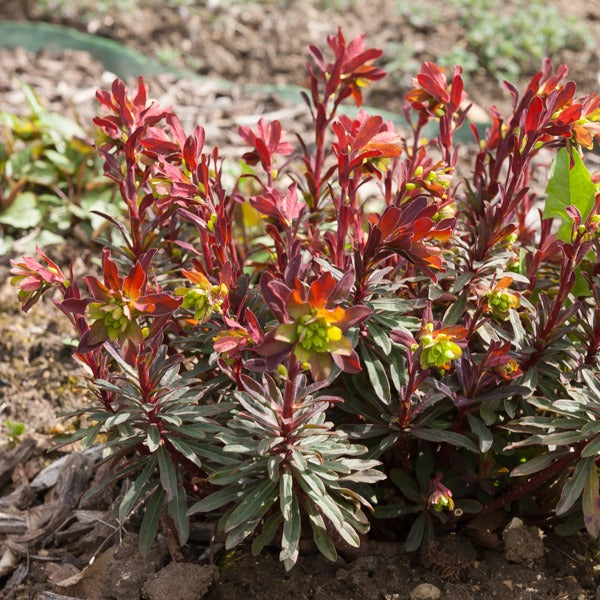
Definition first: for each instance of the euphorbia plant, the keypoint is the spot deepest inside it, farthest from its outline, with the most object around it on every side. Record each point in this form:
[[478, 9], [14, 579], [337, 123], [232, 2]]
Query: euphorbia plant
[[410, 329]]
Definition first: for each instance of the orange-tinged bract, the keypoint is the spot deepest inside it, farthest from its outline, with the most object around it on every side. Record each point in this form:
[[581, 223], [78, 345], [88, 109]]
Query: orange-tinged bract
[[314, 329]]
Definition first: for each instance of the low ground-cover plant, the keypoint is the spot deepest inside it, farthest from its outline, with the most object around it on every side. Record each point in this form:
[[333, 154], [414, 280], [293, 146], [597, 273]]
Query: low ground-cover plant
[[506, 40], [50, 179], [511, 39], [277, 371]]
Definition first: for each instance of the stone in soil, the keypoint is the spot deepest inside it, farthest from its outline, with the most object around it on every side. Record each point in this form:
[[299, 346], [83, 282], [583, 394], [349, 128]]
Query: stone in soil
[[426, 591], [522, 544], [180, 581]]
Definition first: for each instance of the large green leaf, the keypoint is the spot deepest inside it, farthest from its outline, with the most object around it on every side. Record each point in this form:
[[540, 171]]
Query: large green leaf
[[416, 533], [23, 213], [568, 186]]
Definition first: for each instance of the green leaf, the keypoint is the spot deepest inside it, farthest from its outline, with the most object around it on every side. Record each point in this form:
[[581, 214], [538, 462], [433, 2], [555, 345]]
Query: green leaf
[[62, 126], [168, 473], [136, 490], [535, 464], [424, 468], [460, 283], [217, 500], [253, 505], [152, 438], [184, 449], [406, 485], [380, 337], [397, 368], [450, 437], [238, 534], [415, 535], [116, 420], [60, 161], [149, 525], [568, 186], [285, 493], [322, 540], [592, 448], [455, 310], [573, 488], [23, 213], [562, 438], [32, 100], [591, 502], [177, 509], [377, 377], [479, 428], [394, 511], [267, 533], [290, 538]]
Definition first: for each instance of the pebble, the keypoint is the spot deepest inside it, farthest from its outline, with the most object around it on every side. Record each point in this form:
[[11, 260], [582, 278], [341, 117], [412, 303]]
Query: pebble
[[425, 591]]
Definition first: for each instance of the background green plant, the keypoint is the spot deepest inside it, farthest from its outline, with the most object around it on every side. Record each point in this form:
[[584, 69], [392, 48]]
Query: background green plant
[[504, 39], [50, 180], [508, 39]]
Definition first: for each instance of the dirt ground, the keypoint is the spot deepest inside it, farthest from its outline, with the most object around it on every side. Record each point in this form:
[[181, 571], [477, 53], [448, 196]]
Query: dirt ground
[[257, 42]]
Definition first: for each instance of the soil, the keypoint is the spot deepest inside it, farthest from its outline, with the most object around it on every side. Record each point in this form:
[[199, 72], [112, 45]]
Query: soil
[[262, 42]]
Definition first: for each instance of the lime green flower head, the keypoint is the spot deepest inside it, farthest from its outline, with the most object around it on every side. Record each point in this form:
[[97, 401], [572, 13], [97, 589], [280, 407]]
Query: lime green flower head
[[500, 300], [439, 348], [203, 298]]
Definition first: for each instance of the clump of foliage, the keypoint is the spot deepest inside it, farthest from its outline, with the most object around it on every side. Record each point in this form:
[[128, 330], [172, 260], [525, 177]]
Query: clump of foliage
[[505, 40], [277, 371], [13, 431], [50, 179]]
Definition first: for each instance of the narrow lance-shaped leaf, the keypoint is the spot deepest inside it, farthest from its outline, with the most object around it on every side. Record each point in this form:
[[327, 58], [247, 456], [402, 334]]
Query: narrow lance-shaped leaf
[[177, 509], [268, 531], [290, 538], [257, 501], [322, 540], [136, 489], [591, 502], [150, 521], [217, 500], [574, 486], [168, 473], [286, 493]]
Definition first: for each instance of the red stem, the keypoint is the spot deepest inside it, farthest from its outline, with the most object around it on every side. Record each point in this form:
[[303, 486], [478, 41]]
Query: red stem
[[536, 481]]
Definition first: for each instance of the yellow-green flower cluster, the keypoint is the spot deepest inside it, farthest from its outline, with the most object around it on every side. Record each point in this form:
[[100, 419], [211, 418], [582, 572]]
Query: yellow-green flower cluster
[[315, 333], [500, 301], [116, 315], [443, 501], [203, 300], [438, 349]]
